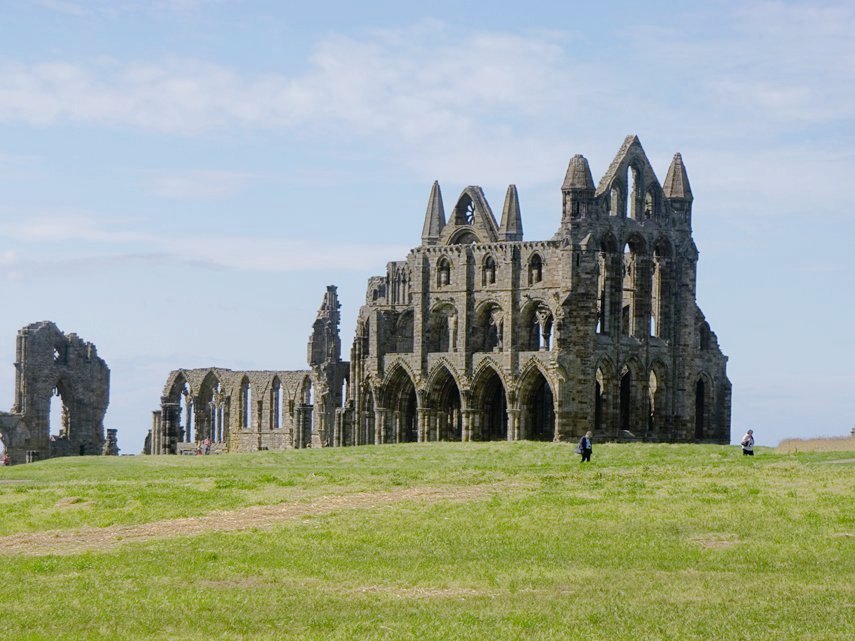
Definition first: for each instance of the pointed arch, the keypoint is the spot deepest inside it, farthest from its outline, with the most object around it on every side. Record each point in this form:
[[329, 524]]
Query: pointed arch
[[536, 325], [442, 329], [661, 288], [489, 404], [703, 406], [609, 274], [445, 420], [487, 334], [630, 400], [536, 394], [400, 398], [657, 401], [635, 290], [604, 384], [471, 220], [210, 409]]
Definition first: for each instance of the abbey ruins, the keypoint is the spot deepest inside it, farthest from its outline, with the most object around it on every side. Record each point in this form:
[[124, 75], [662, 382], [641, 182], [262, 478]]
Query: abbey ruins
[[480, 335], [51, 364]]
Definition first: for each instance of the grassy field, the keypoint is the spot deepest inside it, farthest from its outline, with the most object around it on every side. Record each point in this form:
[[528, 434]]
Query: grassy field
[[433, 541]]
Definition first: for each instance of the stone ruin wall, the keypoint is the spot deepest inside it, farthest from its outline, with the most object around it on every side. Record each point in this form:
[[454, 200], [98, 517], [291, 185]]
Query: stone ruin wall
[[51, 366], [222, 410]]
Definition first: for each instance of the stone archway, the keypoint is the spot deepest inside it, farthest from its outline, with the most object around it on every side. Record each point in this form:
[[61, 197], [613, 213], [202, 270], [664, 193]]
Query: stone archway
[[490, 407], [537, 407], [402, 405], [445, 418]]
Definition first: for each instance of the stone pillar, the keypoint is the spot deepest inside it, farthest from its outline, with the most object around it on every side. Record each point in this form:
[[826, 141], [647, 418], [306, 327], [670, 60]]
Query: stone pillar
[[171, 425], [423, 425], [379, 425], [513, 425]]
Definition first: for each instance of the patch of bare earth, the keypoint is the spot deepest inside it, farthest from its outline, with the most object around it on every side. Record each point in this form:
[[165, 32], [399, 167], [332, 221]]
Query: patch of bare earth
[[257, 516], [716, 541]]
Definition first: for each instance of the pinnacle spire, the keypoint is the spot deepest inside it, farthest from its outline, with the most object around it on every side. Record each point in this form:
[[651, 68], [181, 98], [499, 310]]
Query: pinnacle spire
[[511, 228], [676, 185], [434, 216], [578, 174]]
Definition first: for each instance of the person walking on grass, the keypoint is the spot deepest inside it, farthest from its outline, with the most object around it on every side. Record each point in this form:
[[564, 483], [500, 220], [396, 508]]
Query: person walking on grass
[[747, 443], [585, 447]]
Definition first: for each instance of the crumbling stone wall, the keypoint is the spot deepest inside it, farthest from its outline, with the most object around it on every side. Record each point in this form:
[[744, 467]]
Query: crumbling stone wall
[[50, 364]]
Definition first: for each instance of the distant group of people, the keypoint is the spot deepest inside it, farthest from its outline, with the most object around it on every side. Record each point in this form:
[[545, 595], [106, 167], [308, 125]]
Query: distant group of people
[[204, 448], [586, 447]]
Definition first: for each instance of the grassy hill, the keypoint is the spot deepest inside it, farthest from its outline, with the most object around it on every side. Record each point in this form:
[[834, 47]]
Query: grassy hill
[[433, 541]]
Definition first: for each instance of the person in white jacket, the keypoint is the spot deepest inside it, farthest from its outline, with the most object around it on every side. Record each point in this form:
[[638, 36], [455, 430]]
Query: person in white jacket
[[747, 443]]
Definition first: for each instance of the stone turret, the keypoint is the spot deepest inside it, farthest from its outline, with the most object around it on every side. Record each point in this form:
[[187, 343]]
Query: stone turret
[[677, 190], [578, 190], [434, 217]]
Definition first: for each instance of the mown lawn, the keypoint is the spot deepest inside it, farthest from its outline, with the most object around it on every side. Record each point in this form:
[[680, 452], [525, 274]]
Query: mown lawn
[[647, 542]]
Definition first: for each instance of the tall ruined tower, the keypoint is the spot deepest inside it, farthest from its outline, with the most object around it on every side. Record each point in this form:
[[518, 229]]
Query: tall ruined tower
[[328, 372]]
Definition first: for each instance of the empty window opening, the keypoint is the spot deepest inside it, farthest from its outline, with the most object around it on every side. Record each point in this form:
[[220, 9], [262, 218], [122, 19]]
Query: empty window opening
[[535, 269], [186, 418], [58, 415], [599, 399], [632, 192], [489, 275], [443, 272], [615, 201]]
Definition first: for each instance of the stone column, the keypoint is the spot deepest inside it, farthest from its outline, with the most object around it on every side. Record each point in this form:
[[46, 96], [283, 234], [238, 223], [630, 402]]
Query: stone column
[[171, 422], [513, 425]]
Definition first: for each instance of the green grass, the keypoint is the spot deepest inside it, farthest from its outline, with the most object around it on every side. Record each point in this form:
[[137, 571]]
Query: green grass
[[647, 542]]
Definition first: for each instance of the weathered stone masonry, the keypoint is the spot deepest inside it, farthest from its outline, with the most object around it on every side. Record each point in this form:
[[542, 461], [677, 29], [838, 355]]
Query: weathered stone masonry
[[481, 335], [48, 363]]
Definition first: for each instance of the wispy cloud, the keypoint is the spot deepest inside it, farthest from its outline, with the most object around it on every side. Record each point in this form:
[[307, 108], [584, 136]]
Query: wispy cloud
[[198, 184], [115, 243]]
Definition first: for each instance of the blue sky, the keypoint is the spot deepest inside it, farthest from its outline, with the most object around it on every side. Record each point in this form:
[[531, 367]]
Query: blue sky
[[179, 180]]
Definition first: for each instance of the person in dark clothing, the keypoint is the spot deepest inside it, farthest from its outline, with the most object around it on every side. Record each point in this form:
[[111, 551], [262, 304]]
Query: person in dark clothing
[[747, 443], [585, 447]]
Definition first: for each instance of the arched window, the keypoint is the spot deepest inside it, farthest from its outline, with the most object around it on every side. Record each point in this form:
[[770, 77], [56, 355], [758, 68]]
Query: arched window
[[615, 201], [489, 271], [276, 404], [649, 203], [245, 405], [442, 330], [535, 269], [660, 296], [632, 192], [443, 272], [537, 321], [487, 334], [635, 289]]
